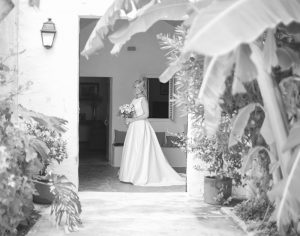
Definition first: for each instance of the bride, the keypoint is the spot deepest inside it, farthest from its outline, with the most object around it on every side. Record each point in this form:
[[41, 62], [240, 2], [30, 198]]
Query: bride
[[143, 162]]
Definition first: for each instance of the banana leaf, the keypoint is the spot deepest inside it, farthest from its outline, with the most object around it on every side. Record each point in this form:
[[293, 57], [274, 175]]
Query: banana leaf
[[288, 191], [164, 10], [213, 86], [120, 9], [218, 30], [248, 159], [5, 7], [240, 123], [293, 139]]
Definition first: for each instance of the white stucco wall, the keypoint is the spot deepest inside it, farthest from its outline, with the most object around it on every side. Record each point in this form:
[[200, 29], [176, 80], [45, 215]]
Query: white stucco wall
[[55, 72]]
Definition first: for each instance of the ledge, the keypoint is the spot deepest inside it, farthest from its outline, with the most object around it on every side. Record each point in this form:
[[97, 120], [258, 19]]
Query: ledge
[[229, 211]]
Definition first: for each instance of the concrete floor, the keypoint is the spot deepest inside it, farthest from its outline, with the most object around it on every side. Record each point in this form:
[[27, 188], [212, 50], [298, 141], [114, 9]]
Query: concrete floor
[[95, 174], [143, 214], [111, 208]]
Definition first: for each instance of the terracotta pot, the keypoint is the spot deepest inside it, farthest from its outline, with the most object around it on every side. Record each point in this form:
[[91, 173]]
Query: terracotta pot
[[44, 195], [213, 186]]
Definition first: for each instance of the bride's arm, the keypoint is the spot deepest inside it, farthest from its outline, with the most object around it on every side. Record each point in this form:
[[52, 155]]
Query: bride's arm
[[145, 110]]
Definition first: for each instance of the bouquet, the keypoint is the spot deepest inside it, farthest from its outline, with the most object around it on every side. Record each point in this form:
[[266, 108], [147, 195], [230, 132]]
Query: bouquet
[[126, 111]]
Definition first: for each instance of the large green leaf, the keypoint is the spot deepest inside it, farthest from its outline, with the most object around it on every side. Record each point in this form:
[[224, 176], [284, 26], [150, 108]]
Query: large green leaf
[[288, 191], [238, 21], [164, 10], [293, 139], [240, 123], [287, 58], [40, 147], [266, 131], [5, 7], [120, 9], [245, 70], [212, 88], [248, 159], [173, 68], [269, 51]]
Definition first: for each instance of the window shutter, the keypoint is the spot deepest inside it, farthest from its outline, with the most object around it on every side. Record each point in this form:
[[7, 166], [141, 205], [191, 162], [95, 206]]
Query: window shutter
[[171, 99]]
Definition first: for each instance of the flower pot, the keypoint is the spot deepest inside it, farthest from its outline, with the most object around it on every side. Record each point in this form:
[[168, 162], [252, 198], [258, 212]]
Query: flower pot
[[44, 195], [213, 186]]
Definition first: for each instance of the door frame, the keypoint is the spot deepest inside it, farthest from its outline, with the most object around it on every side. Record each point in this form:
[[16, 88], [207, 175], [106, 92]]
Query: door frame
[[110, 77]]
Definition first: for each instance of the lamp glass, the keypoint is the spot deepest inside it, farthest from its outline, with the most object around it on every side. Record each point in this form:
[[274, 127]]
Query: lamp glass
[[48, 38]]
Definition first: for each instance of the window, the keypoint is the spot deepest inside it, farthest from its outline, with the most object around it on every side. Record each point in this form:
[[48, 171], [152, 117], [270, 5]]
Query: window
[[159, 98]]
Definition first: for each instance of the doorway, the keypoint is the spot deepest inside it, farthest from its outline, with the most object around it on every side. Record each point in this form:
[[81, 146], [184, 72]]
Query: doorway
[[94, 100]]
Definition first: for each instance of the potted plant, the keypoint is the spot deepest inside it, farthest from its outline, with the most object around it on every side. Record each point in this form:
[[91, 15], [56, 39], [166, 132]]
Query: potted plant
[[56, 151], [222, 163]]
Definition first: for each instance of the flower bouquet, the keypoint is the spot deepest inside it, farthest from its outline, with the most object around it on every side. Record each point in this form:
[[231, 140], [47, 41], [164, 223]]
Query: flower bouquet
[[126, 111]]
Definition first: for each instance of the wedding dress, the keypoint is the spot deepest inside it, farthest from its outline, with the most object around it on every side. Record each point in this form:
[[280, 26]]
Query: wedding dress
[[143, 162]]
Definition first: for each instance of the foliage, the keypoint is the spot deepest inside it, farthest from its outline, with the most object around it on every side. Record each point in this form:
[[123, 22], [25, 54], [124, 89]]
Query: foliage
[[18, 162], [116, 11], [221, 161], [209, 38], [5, 7], [180, 141], [54, 142], [188, 80], [255, 210], [212, 150], [66, 203], [19, 151], [16, 187], [24, 229]]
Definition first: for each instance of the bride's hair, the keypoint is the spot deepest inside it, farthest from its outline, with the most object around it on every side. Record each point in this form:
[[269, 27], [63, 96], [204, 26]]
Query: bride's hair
[[141, 83]]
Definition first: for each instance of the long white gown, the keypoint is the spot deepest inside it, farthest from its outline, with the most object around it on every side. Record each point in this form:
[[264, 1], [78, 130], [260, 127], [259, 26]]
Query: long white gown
[[143, 162]]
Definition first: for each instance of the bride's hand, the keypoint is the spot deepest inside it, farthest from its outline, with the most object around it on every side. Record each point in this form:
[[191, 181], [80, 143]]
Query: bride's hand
[[129, 120]]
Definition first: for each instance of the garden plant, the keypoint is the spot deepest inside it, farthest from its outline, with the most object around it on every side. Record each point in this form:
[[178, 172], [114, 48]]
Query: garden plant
[[26, 152]]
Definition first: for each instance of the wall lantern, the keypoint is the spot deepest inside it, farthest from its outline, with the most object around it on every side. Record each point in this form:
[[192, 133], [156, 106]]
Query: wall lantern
[[48, 33]]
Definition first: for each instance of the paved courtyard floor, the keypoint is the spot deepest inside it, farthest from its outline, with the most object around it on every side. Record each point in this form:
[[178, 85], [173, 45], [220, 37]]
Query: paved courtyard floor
[[95, 174], [112, 208], [143, 214]]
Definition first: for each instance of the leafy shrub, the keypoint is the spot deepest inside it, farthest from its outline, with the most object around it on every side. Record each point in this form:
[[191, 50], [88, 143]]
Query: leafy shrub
[[188, 79], [18, 162], [54, 142], [252, 209], [256, 213]]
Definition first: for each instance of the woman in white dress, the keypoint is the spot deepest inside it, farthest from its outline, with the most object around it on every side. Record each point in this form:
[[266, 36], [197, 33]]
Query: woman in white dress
[[143, 162]]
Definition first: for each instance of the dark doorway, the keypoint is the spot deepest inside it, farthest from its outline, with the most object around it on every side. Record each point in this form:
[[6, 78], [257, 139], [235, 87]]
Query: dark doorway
[[94, 100]]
